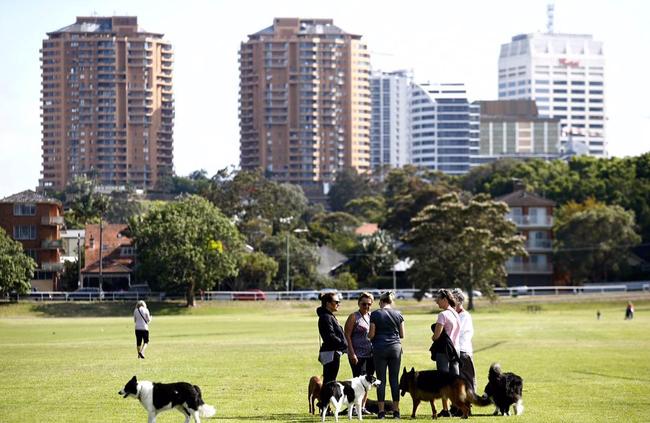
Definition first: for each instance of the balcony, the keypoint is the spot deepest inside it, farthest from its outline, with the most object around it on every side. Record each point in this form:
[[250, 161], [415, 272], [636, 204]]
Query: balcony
[[530, 268], [52, 220], [52, 267], [51, 244], [526, 221], [539, 244]]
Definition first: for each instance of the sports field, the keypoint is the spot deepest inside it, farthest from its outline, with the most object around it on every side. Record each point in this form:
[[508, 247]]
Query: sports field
[[66, 362]]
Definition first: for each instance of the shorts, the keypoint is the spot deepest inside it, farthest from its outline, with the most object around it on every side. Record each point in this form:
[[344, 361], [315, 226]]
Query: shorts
[[141, 335], [365, 366]]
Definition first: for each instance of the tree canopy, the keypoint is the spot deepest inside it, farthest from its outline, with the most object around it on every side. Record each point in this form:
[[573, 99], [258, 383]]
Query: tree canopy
[[462, 244], [187, 244], [16, 269]]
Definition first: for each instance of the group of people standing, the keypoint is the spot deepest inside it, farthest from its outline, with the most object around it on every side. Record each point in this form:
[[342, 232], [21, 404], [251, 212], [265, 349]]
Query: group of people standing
[[372, 341]]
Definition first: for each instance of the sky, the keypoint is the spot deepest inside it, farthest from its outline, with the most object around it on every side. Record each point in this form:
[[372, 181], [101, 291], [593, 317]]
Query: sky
[[440, 41]]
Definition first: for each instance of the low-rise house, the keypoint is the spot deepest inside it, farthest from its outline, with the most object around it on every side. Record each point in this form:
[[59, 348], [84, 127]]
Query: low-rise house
[[533, 216], [35, 221], [110, 257]]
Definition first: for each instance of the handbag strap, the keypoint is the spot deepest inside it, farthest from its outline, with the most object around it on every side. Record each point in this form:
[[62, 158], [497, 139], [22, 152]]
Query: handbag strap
[[392, 319], [143, 318]]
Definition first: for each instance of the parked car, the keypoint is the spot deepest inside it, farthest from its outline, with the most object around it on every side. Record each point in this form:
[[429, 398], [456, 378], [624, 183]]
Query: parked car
[[249, 295], [86, 293]]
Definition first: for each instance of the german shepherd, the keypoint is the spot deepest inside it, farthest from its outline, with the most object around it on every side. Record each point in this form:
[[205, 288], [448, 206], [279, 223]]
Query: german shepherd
[[429, 385]]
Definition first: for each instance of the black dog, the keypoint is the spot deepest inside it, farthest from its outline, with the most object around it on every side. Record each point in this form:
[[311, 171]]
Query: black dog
[[504, 389]]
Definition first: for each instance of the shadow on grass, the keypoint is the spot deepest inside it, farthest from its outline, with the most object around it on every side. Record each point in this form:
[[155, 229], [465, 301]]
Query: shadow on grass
[[281, 417], [613, 376], [489, 347], [104, 309]]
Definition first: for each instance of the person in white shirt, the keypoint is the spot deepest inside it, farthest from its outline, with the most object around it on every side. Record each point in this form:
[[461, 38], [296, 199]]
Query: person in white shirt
[[466, 333], [141, 317]]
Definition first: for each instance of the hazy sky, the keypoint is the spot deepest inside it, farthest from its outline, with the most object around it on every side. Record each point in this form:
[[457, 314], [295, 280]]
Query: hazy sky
[[441, 41]]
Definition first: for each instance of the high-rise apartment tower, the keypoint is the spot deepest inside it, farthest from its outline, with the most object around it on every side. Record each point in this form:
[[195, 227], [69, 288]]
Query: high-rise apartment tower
[[390, 134], [304, 105], [565, 75], [107, 104]]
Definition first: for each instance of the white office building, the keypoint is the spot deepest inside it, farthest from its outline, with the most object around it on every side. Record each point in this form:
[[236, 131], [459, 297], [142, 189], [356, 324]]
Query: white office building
[[444, 127], [565, 75], [389, 130]]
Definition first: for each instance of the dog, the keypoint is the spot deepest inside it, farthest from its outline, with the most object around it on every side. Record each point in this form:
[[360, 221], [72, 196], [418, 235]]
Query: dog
[[429, 385], [313, 393], [372, 407], [158, 397], [504, 390], [348, 393]]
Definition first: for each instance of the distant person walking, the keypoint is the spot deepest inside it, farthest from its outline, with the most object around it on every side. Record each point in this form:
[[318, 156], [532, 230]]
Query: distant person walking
[[142, 318], [465, 339], [386, 333], [629, 311], [331, 332]]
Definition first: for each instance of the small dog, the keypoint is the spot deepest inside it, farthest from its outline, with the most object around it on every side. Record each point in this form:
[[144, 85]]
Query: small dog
[[348, 393], [429, 385], [371, 406], [504, 389], [313, 393], [159, 397]]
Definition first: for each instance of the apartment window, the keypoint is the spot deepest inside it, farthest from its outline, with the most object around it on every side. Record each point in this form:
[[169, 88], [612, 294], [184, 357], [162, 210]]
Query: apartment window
[[24, 209], [127, 251], [24, 232]]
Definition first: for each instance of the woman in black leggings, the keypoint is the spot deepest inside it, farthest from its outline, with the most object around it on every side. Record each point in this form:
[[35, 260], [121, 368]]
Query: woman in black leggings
[[331, 332], [386, 332]]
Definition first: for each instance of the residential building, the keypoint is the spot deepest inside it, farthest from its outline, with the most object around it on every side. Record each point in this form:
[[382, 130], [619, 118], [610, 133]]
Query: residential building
[[565, 75], [304, 102], [390, 136], [73, 242], [35, 221], [107, 104], [513, 128], [110, 257], [533, 216], [444, 127]]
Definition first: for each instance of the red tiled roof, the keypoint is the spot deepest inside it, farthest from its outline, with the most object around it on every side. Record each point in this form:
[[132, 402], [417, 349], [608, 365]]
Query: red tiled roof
[[367, 229], [522, 198]]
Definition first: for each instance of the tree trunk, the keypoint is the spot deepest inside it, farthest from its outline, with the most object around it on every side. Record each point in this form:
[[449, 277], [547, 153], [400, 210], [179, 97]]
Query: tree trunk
[[191, 301], [470, 301]]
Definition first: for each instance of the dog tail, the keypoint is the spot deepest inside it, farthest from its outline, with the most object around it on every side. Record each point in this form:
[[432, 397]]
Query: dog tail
[[481, 401], [519, 407], [207, 411]]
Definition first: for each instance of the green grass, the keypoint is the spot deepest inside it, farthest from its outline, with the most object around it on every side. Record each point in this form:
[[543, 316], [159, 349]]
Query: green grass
[[253, 360]]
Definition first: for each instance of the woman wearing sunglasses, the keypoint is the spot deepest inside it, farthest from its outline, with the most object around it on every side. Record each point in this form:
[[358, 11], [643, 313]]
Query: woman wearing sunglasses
[[331, 332], [356, 334]]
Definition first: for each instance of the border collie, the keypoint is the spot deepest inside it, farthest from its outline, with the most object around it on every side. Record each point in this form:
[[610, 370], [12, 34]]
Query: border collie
[[350, 393], [504, 389], [158, 397]]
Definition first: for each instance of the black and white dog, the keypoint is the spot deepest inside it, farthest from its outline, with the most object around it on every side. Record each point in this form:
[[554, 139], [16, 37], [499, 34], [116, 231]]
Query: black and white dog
[[348, 393], [159, 397], [504, 389]]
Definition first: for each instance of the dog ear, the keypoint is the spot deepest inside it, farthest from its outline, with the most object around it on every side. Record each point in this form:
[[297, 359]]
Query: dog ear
[[412, 370], [135, 379]]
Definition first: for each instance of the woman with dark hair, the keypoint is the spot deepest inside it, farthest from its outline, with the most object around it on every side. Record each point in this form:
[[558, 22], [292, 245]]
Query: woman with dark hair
[[386, 333], [446, 339], [356, 334], [330, 331]]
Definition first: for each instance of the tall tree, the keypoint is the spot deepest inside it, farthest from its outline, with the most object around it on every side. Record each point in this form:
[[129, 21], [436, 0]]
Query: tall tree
[[592, 240], [462, 244], [368, 209], [256, 270], [16, 269], [303, 259], [187, 244], [348, 185], [374, 256]]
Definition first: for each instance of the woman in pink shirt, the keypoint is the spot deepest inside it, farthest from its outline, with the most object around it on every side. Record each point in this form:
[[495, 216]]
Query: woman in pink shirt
[[446, 339]]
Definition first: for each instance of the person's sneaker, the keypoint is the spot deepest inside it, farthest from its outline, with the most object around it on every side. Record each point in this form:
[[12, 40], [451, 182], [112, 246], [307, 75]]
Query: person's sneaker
[[444, 413], [381, 415], [365, 412], [396, 415], [140, 355], [455, 411]]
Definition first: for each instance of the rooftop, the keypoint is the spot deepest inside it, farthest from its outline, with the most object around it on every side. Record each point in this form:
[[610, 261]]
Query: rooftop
[[29, 196]]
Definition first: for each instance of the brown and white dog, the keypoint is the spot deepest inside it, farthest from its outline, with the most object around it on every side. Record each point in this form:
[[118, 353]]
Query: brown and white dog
[[313, 392]]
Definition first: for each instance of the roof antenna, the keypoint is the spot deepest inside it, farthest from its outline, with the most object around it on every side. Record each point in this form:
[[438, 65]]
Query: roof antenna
[[550, 9]]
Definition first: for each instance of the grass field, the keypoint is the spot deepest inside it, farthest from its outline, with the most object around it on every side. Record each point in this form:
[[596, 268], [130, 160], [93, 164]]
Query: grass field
[[66, 362]]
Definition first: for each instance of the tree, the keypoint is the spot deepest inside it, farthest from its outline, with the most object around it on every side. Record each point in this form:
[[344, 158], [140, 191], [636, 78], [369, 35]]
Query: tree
[[408, 190], [462, 244], [256, 270], [303, 259], [348, 185], [335, 229], [188, 244], [592, 240], [16, 269], [369, 208], [374, 256]]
